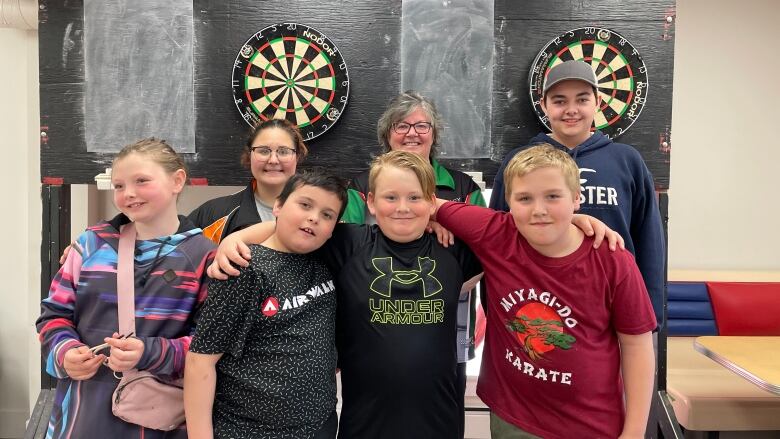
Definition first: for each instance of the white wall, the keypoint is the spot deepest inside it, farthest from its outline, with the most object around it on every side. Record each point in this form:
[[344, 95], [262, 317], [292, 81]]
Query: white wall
[[724, 172], [725, 164], [20, 221]]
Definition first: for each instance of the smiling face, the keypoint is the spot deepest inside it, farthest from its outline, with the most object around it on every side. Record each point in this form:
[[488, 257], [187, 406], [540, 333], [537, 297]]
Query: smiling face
[[271, 172], [144, 191], [401, 208], [305, 221], [542, 206], [413, 141], [570, 107]]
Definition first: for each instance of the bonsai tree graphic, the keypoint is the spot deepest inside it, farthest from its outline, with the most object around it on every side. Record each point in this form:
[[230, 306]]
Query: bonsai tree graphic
[[539, 329]]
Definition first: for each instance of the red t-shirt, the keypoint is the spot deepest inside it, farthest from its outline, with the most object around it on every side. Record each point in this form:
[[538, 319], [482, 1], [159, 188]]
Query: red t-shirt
[[551, 361]]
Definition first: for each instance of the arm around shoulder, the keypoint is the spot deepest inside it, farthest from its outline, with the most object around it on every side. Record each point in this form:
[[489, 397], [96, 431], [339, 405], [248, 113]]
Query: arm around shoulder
[[467, 222], [234, 249]]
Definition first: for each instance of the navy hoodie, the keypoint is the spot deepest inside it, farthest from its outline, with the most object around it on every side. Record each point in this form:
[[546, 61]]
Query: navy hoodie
[[617, 188]]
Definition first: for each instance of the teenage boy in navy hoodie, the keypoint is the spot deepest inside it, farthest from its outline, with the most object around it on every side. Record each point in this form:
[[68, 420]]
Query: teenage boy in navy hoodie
[[616, 186]]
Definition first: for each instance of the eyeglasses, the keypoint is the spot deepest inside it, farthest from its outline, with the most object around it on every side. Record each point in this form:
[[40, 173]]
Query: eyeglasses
[[284, 154], [419, 127]]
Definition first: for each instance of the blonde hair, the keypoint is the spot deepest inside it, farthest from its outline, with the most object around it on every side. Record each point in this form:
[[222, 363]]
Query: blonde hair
[[404, 160], [156, 150], [540, 156]]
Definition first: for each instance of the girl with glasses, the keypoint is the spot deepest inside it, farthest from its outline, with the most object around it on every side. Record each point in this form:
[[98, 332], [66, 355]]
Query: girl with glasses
[[272, 152]]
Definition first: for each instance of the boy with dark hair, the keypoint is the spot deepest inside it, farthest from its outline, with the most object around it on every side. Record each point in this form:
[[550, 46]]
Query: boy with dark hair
[[565, 320], [615, 184], [263, 354]]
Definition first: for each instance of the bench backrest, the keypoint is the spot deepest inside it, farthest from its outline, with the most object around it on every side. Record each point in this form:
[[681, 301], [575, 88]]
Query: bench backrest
[[689, 311], [746, 308]]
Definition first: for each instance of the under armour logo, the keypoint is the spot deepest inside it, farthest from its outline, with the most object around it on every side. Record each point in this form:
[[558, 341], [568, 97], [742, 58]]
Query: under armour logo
[[383, 283]]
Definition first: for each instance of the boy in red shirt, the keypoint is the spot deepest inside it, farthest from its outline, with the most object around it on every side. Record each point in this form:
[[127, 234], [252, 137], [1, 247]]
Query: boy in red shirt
[[566, 321]]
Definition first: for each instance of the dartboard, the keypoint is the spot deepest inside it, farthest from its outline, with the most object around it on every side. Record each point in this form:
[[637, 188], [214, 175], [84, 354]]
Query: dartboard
[[621, 74], [294, 72]]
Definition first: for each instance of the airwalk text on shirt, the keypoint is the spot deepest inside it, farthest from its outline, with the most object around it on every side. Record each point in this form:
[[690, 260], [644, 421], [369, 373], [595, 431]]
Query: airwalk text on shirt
[[271, 305]]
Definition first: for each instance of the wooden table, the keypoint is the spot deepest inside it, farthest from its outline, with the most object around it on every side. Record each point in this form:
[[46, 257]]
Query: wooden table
[[757, 359]]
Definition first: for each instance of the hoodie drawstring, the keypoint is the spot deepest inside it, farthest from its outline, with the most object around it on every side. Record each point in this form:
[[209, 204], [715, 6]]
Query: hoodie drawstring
[[154, 261]]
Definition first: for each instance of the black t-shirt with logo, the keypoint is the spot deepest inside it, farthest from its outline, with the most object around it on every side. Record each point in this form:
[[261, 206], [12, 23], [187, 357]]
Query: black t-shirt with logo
[[275, 325], [396, 326]]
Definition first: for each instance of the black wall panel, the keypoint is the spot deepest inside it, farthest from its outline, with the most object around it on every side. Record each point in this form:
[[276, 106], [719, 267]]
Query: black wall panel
[[367, 32]]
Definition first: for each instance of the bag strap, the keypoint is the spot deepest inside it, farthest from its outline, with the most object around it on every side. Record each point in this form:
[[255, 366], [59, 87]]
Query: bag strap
[[125, 279]]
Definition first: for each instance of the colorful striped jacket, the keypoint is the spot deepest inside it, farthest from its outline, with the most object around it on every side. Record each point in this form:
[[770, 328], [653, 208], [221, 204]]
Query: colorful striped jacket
[[170, 286]]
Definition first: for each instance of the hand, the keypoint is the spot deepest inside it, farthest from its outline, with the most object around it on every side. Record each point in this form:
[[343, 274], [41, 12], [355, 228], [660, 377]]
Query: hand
[[231, 249], [125, 352], [444, 236], [66, 252], [593, 227], [81, 364]]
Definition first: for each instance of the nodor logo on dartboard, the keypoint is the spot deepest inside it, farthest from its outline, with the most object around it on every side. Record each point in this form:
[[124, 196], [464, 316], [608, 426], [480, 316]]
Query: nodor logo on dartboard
[[294, 72], [621, 74]]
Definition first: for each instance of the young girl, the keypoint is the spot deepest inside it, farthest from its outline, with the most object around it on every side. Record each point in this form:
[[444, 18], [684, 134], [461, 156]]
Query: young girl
[[171, 255], [273, 151]]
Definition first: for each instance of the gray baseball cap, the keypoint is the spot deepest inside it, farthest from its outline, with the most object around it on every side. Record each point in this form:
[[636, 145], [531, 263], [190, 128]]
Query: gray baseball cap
[[567, 70]]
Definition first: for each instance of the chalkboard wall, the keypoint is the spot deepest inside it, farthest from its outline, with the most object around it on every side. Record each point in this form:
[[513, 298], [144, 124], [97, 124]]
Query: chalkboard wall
[[368, 34]]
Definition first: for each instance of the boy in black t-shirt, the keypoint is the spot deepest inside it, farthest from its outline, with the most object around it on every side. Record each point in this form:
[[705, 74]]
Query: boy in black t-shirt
[[263, 354], [398, 291]]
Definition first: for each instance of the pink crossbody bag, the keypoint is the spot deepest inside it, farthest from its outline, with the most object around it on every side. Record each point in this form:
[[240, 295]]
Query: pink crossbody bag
[[141, 397]]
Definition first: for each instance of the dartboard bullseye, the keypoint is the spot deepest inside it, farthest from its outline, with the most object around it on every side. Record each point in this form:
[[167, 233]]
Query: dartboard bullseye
[[294, 72], [621, 74]]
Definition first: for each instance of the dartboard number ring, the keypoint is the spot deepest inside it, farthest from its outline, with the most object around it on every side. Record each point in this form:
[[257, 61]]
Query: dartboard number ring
[[291, 71], [621, 73]]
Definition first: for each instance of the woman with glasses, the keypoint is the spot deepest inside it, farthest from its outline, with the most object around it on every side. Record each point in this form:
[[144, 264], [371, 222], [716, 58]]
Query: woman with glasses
[[273, 151], [411, 123]]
